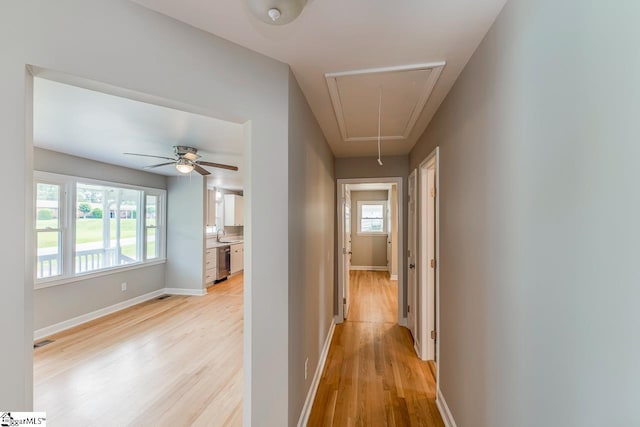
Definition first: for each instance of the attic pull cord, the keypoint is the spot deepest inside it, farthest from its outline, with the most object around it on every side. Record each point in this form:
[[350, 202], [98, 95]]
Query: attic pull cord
[[379, 118]]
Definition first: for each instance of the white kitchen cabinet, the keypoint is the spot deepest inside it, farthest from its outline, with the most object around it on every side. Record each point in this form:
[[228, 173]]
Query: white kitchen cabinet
[[233, 208], [210, 266], [237, 258], [211, 208]]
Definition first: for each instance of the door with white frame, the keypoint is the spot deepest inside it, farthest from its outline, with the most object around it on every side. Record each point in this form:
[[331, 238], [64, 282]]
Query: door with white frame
[[345, 218], [428, 265], [346, 245], [412, 284]]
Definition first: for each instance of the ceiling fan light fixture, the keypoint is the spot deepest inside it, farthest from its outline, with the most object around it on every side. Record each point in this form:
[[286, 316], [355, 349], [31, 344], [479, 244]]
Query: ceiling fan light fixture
[[276, 12], [184, 166]]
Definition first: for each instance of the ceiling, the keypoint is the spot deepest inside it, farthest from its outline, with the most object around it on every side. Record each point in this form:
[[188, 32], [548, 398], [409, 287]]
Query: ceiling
[[334, 36], [102, 127]]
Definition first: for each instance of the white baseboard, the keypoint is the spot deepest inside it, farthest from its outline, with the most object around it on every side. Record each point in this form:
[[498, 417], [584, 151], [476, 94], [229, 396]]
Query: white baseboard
[[68, 324], [76, 321], [416, 347], [393, 277], [368, 268], [311, 395], [445, 413], [404, 322], [187, 292]]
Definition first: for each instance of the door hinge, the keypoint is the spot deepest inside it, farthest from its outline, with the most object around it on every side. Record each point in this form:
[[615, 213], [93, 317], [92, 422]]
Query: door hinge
[[408, 309], [434, 335], [433, 263], [408, 253], [344, 300], [433, 192]]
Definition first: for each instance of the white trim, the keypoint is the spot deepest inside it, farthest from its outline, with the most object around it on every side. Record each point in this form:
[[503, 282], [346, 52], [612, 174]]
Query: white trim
[[76, 321], [393, 277], [315, 382], [401, 227], [403, 322], [187, 292], [332, 85], [369, 268], [445, 412]]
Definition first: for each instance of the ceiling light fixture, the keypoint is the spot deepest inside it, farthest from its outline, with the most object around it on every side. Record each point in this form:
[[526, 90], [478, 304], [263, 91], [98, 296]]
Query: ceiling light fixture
[[276, 12], [184, 166]]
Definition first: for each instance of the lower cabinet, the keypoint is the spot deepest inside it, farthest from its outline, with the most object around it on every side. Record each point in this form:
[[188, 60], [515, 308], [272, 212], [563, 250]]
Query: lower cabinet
[[237, 258], [210, 266]]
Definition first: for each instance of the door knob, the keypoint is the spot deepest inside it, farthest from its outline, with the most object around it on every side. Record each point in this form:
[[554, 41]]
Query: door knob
[[350, 252], [412, 266]]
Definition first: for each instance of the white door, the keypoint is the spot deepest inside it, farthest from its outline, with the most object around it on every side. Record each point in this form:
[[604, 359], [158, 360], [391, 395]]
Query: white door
[[431, 257], [346, 253], [411, 261], [389, 226]]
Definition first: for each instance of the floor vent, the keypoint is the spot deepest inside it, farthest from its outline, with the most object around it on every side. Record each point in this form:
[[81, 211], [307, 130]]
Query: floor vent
[[164, 297], [42, 343]]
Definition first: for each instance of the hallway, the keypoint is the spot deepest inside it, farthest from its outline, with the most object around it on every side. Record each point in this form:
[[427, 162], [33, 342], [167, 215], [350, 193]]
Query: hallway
[[372, 375]]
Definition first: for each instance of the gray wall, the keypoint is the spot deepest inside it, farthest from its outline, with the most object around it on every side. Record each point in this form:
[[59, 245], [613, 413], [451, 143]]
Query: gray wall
[[63, 302], [370, 251], [124, 45], [185, 232], [311, 246], [367, 167], [539, 220]]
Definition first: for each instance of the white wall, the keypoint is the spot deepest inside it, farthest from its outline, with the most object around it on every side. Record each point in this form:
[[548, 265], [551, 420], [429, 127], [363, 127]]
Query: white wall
[[539, 203], [122, 44], [63, 302], [311, 246], [185, 232]]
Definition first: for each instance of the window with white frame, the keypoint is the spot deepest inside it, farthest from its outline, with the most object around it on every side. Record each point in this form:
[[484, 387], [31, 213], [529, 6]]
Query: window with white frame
[[372, 217], [87, 226]]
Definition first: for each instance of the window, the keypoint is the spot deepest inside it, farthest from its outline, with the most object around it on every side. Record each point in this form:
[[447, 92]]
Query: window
[[372, 217], [85, 226], [48, 230]]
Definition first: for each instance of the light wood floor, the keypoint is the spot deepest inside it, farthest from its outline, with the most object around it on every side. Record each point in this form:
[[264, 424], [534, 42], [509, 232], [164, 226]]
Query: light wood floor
[[172, 362], [372, 375]]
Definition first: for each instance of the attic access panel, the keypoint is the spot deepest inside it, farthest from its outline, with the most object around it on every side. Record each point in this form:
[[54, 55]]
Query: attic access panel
[[405, 92]]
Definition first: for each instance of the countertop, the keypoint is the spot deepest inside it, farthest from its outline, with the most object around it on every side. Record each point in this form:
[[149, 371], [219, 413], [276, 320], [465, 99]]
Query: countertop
[[212, 243]]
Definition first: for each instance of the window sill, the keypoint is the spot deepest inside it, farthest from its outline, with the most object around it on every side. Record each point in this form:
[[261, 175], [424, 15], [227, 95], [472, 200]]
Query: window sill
[[48, 283]]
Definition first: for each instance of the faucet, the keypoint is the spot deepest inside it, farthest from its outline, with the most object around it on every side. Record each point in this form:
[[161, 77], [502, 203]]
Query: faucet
[[224, 233]]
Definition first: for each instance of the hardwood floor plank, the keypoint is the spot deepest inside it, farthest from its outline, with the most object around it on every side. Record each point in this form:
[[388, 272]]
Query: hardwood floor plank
[[176, 361], [372, 376]]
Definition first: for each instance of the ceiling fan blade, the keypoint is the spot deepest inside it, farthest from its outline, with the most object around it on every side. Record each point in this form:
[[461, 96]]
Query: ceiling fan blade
[[217, 165], [149, 155], [201, 170], [158, 165]]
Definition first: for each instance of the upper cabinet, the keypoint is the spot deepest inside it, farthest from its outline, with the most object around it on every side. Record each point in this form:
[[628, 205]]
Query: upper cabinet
[[211, 208], [233, 210]]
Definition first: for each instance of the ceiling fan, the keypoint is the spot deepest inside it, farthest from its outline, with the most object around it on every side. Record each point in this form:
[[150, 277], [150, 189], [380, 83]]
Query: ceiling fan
[[186, 160]]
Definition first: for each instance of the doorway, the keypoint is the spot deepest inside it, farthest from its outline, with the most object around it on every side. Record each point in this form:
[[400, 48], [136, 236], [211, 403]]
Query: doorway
[[370, 238]]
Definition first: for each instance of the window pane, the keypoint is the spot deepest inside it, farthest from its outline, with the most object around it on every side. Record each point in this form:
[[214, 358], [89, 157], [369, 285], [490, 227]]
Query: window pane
[[128, 226], [106, 227], [152, 238], [152, 231], [47, 206], [152, 209], [372, 211], [49, 261], [372, 225]]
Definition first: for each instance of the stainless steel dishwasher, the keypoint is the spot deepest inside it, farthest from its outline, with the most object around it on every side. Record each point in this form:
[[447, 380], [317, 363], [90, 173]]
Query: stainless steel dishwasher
[[224, 262]]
